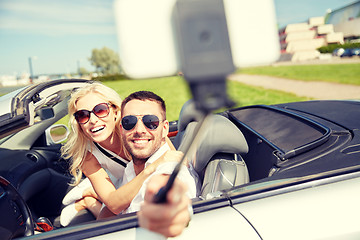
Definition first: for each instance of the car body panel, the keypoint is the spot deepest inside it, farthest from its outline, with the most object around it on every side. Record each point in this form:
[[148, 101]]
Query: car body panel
[[219, 224], [329, 211], [206, 225]]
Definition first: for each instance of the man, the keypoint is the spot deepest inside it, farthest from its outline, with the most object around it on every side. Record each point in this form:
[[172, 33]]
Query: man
[[144, 128], [144, 131]]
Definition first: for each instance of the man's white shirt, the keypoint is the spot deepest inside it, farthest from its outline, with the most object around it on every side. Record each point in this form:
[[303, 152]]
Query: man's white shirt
[[165, 168]]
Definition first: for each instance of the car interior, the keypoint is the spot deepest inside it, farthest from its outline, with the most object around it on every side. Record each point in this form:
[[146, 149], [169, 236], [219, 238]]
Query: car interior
[[217, 157]]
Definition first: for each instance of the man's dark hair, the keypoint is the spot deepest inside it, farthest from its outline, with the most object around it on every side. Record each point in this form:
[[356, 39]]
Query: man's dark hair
[[143, 96]]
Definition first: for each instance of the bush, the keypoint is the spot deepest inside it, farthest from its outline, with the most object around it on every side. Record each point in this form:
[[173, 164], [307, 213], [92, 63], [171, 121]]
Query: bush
[[114, 77], [331, 47]]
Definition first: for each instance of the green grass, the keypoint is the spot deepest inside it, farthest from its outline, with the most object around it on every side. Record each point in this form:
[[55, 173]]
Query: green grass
[[175, 92], [339, 73], [246, 95]]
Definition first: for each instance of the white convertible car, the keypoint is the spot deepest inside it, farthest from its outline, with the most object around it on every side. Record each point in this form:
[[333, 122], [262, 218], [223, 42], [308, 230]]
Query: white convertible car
[[288, 171]]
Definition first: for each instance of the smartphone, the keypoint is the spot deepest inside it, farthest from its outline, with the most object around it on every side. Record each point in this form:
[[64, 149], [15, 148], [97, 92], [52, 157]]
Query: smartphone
[[147, 43]]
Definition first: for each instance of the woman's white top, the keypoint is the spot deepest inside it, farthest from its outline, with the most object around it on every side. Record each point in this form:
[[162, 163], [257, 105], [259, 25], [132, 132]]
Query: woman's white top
[[112, 168]]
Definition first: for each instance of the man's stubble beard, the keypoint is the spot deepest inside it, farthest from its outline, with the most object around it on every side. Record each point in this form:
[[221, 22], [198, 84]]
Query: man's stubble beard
[[142, 160], [138, 161]]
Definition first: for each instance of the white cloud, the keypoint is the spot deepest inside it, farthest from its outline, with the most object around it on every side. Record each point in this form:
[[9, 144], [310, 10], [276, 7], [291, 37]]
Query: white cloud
[[57, 18]]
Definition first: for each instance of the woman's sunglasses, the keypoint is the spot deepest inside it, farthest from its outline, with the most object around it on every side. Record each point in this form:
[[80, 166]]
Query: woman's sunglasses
[[150, 121], [101, 110]]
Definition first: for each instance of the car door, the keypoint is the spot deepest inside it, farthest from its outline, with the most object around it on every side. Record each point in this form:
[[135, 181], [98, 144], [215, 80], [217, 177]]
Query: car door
[[216, 223], [219, 223], [325, 208], [212, 219]]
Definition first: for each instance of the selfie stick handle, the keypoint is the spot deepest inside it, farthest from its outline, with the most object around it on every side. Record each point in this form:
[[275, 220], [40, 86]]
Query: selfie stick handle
[[160, 197]]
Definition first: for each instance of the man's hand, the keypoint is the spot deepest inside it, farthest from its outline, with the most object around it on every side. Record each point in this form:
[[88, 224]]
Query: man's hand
[[170, 218], [174, 156]]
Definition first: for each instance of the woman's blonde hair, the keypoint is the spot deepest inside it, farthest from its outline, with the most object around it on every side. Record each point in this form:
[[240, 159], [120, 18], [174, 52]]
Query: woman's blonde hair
[[78, 144]]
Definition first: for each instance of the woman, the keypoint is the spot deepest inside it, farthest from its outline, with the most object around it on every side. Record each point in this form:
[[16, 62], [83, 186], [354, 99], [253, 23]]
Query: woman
[[94, 113]]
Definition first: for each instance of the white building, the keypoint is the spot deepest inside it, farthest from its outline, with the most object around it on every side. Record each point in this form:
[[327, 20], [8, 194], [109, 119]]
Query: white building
[[346, 20]]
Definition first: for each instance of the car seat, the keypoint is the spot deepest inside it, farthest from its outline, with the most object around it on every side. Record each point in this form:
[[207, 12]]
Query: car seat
[[187, 115], [216, 163]]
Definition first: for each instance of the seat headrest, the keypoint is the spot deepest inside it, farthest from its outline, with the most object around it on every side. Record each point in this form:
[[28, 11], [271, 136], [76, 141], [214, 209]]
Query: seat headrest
[[221, 136], [187, 115]]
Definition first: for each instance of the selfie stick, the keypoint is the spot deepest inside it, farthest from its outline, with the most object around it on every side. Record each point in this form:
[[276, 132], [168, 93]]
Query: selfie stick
[[206, 60], [160, 197]]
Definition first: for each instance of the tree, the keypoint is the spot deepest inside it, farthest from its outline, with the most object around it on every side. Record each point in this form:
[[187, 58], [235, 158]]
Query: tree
[[83, 71], [105, 60]]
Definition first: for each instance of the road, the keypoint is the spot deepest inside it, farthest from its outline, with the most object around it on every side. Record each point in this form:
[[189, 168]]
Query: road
[[315, 90]]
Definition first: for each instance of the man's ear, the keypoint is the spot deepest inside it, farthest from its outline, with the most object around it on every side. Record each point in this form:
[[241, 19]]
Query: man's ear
[[165, 128]]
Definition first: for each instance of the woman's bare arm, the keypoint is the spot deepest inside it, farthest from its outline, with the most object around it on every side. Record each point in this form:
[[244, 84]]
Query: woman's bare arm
[[116, 200]]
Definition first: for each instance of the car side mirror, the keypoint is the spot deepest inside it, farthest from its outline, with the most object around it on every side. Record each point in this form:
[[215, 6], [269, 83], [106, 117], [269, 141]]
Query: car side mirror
[[56, 134]]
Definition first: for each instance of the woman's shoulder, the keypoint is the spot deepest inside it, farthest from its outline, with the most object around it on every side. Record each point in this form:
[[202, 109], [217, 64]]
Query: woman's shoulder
[[89, 157], [90, 163]]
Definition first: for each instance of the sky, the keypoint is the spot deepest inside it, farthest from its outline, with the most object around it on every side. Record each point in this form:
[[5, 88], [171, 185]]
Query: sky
[[59, 36]]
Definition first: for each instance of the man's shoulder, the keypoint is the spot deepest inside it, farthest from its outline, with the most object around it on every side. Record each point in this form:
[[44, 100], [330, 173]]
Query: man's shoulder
[[158, 153]]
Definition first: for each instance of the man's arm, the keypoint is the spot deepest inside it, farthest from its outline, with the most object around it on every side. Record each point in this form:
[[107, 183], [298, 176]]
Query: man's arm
[[170, 218]]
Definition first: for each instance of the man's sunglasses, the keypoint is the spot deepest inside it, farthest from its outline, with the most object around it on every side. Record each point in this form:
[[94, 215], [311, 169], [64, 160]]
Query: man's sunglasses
[[101, 110], [150, 121]]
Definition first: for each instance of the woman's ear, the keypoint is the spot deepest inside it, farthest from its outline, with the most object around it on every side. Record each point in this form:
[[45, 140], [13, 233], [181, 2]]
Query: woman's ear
[[117, 114]]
